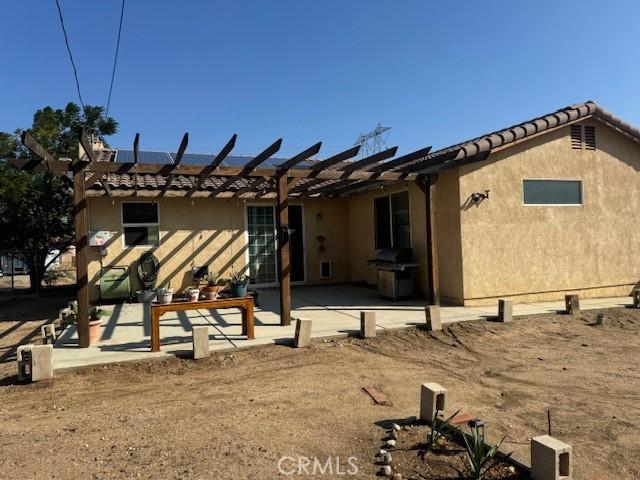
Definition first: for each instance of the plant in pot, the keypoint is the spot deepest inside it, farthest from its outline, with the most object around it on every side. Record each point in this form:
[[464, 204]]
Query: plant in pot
[[165, 294], [94, 324], [239, 284], [213, 287], [192, 293]]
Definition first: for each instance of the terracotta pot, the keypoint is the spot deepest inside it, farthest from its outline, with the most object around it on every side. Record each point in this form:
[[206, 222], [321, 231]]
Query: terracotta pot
[[211, 293], [94, 331]]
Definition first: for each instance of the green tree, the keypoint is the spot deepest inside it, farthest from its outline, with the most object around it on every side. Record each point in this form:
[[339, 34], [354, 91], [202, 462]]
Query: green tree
[[36, 210]]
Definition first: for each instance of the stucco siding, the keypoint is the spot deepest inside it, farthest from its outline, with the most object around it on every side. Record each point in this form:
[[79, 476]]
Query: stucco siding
[[196, 232], [540, 252]]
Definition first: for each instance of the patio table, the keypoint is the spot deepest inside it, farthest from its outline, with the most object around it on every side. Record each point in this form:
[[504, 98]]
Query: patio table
[[243, 303]]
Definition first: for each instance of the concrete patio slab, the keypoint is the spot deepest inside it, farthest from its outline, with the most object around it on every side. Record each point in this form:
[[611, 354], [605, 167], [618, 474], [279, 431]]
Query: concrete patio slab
[[334, 311]]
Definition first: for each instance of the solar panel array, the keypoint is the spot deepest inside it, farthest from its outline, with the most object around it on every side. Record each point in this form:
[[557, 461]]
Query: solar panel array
[[126, 156]]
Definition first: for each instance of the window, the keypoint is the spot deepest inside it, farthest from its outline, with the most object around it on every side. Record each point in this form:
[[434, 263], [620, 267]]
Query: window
[[140, 224], [392, 221], [552, 192]]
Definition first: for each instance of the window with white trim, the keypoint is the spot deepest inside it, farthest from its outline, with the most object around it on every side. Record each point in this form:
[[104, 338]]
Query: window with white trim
[[552, 192], [392, 221], [140, 224]]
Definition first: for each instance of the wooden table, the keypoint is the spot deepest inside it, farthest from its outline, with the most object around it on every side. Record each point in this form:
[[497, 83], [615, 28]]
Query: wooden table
[[158, 309]]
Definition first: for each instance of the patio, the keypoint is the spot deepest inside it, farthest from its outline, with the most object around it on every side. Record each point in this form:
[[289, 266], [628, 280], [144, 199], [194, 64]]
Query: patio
[[335, 311]]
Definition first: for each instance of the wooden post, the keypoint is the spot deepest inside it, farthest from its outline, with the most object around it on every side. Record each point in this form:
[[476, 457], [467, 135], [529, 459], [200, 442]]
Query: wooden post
[[432, 243], [82, 233], [284, 269]]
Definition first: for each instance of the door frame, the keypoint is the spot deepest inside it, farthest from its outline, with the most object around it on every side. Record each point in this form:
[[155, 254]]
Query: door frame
[[275, 231]]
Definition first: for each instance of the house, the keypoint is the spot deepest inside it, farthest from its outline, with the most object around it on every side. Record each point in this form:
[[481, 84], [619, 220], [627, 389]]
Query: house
[[530, 212]]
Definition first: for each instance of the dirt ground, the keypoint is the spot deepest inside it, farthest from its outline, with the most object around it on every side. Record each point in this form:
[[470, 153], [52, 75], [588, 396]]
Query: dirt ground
[[236, 414]]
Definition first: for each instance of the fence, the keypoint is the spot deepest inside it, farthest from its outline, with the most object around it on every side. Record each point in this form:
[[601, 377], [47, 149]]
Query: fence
[[15, 275]]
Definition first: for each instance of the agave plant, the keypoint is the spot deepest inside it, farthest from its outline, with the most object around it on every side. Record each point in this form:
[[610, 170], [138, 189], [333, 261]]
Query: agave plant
[[479, 454], [438, 429]]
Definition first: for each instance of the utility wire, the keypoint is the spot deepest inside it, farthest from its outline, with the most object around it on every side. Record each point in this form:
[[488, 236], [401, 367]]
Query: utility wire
[[73, 64], [115, 61]]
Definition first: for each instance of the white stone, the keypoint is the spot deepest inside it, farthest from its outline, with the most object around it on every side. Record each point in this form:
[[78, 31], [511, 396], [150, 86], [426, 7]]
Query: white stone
[[386, 459], [395, 426], [391, 443], [387, 471]]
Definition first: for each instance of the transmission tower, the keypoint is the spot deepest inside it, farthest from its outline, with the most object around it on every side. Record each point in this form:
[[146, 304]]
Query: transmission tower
[[374, 141]]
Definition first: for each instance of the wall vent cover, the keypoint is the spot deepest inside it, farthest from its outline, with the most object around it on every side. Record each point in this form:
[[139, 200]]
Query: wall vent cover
[[590, 137], [576, 137]]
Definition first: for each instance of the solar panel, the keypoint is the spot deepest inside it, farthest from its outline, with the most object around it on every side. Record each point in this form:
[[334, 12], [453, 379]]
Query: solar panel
[[144, 156]]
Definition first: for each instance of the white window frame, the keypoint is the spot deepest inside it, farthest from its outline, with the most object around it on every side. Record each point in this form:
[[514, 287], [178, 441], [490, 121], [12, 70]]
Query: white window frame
[[157, 224], [391, 218], [579, 180]]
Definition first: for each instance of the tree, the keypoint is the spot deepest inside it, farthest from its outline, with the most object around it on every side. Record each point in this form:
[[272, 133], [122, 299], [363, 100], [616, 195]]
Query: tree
[[36, 210]]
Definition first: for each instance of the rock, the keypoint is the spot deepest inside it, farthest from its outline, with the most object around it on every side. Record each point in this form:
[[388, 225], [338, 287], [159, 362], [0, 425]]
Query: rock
[[397, 476], [393, 434], [386, 471], [395, 426], [386, 459], [512, 469], [381, 452], [391, 443]]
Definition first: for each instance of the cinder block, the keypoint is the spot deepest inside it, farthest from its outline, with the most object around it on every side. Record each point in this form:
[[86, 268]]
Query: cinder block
[[432, 399], [572, 304], [505, 310], [48, 333], [367, 324], [432, 314], [636, 297], [303, 333], [35, 362], [200, 342], [550, 459]]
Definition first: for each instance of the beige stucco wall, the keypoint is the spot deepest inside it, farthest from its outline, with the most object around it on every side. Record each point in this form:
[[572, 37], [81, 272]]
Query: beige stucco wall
[[542, 252], [201, 231]]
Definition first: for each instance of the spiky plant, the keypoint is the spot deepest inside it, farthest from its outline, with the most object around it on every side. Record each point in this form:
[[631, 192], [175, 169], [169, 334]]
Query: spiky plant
[[438, 429], [479, 454]]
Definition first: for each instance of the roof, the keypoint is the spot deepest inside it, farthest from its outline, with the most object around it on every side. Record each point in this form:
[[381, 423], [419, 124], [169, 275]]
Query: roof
[[515, 133]]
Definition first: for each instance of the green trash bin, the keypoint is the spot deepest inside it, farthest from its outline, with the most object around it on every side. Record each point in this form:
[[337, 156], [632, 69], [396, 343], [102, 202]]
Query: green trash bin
[[114, 283]]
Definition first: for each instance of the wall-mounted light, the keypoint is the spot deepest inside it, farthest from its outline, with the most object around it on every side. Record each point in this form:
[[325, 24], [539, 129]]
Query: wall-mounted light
[[478, 197]]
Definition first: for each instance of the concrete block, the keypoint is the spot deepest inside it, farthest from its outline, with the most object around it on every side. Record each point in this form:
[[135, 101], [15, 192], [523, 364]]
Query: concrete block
[[572, 304], [432, 398], [367, 324], [48, 333], [200, 342], [35, 362], [636, 297], [505, 310], [432, 314], [303, 333], [550, 459]]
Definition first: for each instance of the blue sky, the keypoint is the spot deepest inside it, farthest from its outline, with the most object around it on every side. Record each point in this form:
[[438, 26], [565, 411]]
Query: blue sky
[[436, 72]]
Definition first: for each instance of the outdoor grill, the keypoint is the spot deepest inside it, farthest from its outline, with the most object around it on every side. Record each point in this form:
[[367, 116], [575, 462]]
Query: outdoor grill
[[395, 272]]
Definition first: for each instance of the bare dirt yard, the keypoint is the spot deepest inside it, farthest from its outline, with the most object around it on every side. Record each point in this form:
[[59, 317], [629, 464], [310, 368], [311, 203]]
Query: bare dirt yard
[[236, 414]]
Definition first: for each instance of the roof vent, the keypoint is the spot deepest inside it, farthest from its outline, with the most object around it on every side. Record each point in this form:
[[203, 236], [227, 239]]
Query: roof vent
[[576, 137], [589, 137]]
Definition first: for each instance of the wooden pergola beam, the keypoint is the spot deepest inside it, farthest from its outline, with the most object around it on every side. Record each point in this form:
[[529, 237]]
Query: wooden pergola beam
[[176, 162], [430, 162], [370, 160], [335, 159], [301, 157], [215, 163], [249, 166], [41, 153], [252, 187], [404, 159], [136, 144], [427, 184]]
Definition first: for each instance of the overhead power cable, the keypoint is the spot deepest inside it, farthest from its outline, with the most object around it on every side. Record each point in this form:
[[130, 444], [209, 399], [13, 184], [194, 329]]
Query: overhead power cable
[[73, 64], [115, 60]]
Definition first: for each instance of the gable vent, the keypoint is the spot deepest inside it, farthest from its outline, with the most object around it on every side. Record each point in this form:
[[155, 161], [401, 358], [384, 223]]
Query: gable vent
[[589, 137], [576, 137]]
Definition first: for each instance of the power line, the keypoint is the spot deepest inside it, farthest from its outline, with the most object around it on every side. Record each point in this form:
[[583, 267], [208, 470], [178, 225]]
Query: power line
[[115, 61], [73, 64]]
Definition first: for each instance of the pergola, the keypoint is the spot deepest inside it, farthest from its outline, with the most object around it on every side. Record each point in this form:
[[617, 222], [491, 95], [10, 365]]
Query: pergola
[[335, 177]]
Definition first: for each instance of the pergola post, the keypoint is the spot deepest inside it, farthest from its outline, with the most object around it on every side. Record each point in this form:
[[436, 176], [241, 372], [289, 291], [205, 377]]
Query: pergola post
[[82, 232], [284, 268], [433, 277]]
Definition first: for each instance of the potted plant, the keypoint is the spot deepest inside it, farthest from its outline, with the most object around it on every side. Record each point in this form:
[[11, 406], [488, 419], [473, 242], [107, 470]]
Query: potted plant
[[165, 294], [239, 284], [192, 293], [213, 287], [94, 324]]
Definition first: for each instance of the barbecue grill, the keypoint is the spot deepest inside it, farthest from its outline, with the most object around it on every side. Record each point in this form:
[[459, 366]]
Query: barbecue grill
[[395, 272]]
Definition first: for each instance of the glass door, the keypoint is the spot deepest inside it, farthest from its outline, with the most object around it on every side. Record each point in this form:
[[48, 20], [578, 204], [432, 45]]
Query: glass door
[[261, 228]]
